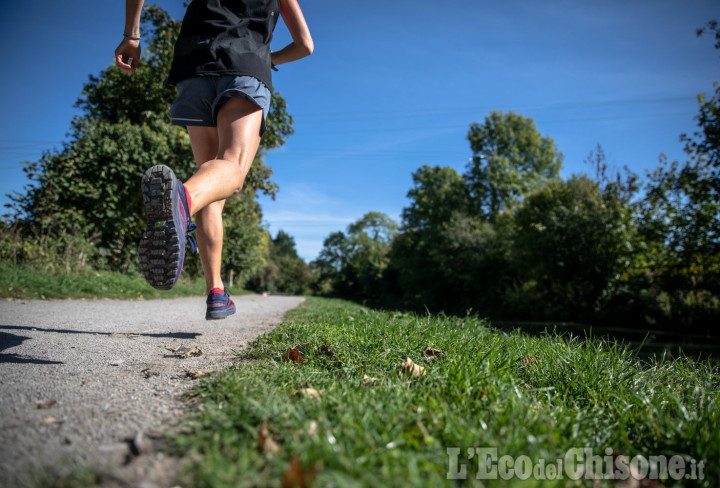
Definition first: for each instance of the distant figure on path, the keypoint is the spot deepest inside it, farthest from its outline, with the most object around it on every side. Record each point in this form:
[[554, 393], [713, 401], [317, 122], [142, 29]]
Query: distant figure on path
[[222, 70]]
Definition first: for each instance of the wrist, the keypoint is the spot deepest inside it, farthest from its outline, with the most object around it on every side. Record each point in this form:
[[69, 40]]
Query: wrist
[[132, 37]]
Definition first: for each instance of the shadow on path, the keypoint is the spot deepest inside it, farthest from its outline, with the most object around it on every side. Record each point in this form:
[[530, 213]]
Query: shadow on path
[[170, 335], [8, 341]]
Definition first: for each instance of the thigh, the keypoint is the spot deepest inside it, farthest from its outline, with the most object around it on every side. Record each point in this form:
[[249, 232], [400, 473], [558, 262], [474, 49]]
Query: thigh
[[204, 142], [238, 127]]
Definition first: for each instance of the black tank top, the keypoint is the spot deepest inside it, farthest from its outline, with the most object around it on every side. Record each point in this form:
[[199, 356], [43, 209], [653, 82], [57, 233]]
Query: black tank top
[[225, 37]]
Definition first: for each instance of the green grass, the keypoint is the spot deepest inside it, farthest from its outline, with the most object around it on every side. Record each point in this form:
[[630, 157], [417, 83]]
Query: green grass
[[21, 282], [534, 396]]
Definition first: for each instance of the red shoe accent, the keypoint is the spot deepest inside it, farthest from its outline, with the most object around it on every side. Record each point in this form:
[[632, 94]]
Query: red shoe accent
[[219, 291], [189, 200]]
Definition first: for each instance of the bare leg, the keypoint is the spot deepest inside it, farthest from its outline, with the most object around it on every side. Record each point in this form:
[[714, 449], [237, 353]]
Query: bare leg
[[238, 130], [204, 142]]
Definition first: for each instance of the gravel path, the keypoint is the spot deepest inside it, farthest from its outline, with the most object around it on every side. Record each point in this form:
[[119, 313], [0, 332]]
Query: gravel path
[[76, 383]]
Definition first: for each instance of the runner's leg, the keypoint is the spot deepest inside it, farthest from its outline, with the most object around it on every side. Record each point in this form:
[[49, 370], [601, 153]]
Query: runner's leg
[[204, 142], [238, 129]]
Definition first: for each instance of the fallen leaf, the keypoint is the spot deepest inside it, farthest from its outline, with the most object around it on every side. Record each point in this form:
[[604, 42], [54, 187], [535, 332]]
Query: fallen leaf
[[324, 349], [48, 421], [149, 372], [193, 352], [411, 370], [308, 392], [197, 373], [366, 379], [184, 351], [45, 404], [116, 362], [293, 354], [299, 476], [430, 352], [124, 335], [266, 444]]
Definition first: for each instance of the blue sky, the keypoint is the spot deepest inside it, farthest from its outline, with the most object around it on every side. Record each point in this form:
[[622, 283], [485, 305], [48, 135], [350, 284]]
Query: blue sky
[[394, 85]]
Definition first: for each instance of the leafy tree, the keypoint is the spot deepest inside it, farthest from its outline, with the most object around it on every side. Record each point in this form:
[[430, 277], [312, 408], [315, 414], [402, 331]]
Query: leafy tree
[[285, 272], [420, 259], [353, 265], [572, 239], [437, 194], [679, 224], [510, 160], [91, 185], [246, 245]]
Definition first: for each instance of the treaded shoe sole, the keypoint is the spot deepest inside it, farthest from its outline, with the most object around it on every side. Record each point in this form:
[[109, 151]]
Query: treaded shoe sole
[[161, 248], [219, 314]]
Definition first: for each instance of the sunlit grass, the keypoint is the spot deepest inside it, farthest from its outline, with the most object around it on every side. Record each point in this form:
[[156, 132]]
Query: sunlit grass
[[534, 396], [21, 282]]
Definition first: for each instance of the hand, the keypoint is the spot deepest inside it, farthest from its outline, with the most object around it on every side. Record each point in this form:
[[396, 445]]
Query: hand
[[128, 50]]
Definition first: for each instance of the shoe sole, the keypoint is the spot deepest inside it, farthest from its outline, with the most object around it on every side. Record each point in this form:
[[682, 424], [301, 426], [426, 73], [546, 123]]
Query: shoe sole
[[219, 314], [160, 252]]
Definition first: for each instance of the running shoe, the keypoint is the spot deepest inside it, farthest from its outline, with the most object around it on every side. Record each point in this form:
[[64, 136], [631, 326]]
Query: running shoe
[[219, 305], [162, 246]]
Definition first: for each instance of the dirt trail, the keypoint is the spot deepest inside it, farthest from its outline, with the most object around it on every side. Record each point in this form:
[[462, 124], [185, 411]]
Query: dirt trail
[[79, 378]]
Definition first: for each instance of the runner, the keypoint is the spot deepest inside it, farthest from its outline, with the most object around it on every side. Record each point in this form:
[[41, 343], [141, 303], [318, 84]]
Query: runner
[[222, 69]]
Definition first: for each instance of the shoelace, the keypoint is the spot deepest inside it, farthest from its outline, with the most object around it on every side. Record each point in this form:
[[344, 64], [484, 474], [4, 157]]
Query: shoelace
[[191, 239]]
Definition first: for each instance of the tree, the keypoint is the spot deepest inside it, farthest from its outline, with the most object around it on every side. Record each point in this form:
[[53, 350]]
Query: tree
[[571, 240], [91, 185], [510, 160], [284, 272], [421, 267], [437, 193], [353, 265], [679, 222]]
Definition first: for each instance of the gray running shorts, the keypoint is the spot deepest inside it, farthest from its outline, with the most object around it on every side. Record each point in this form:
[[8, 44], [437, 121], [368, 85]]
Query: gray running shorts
[[199, 99]]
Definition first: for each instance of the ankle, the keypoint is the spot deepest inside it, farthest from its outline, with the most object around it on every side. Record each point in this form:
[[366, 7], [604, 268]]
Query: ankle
[[214, 287]]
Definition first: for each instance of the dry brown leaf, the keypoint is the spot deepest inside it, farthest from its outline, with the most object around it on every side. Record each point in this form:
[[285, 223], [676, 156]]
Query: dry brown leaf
[[266, 444], [308, 392], [366, 379], [529, 360], [149, 372], [411, 370], [431, 352], [48, 421], [293, 354], [45, 404], [124, 335], [184, 351], [324, 349], [197, 373], [299, 476]]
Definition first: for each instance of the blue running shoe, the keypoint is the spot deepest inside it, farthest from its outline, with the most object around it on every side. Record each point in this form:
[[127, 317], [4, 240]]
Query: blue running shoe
[[162, 246], [219, 305]]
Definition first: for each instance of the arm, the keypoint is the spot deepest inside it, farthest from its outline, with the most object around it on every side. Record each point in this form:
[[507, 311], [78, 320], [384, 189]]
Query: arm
[[302, 44], [129, 48]]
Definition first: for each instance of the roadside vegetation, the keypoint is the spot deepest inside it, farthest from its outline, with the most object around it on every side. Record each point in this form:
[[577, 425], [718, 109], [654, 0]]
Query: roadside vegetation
[[324, 398]]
